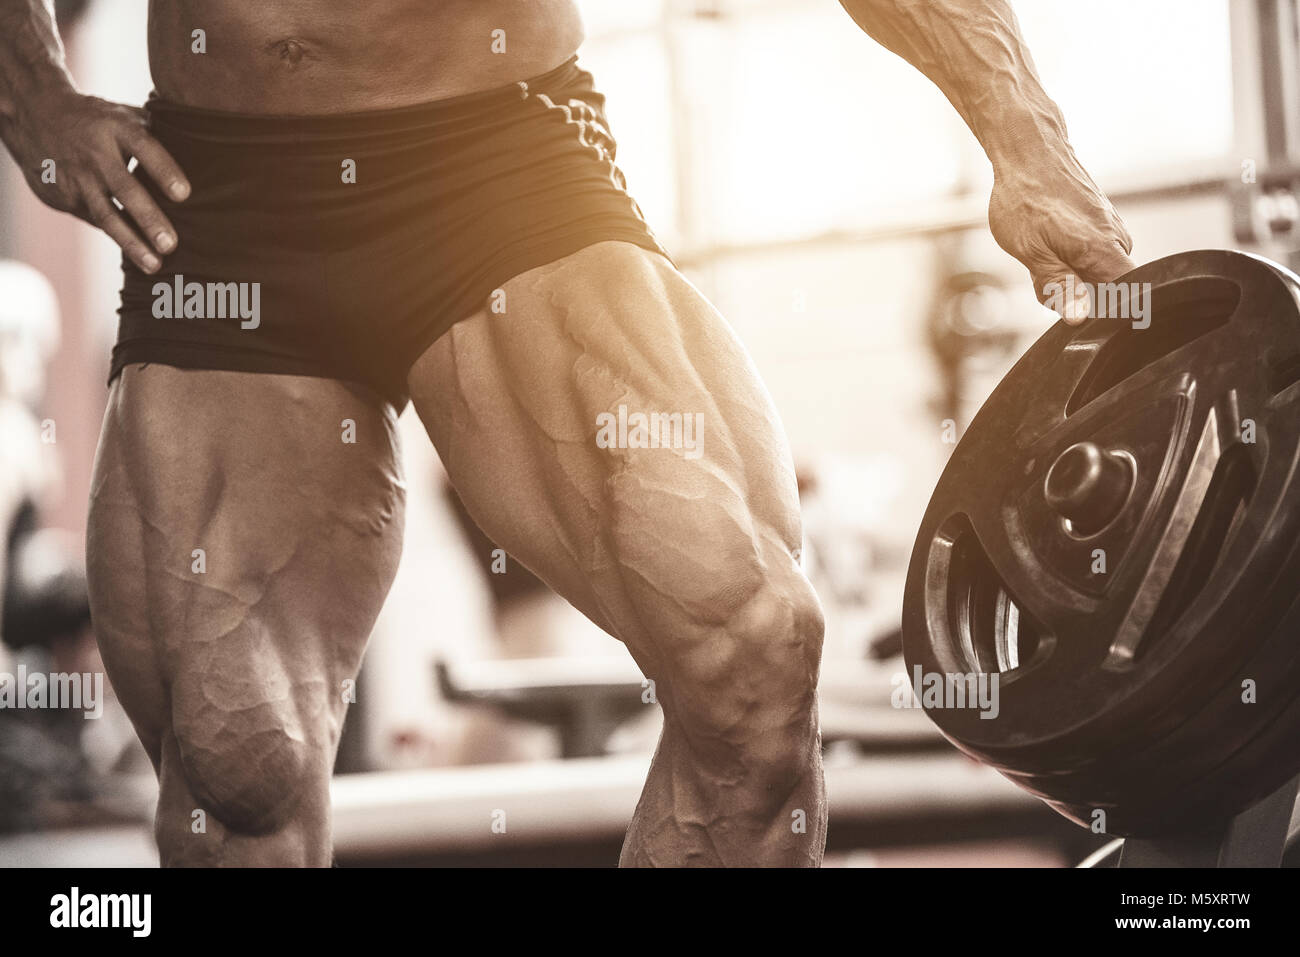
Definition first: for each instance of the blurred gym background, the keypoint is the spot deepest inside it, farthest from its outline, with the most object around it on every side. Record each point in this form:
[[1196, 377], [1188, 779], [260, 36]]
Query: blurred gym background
[[831, 203]]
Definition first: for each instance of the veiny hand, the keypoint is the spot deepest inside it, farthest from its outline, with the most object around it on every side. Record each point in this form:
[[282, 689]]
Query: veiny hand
[[1051, 216], [91, 142]]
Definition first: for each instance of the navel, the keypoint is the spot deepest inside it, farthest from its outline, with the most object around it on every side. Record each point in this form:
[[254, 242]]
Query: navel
[[290, 51]]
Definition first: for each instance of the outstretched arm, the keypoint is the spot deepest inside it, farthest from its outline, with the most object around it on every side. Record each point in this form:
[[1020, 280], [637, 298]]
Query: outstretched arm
[[74, 150], [1045, 210]]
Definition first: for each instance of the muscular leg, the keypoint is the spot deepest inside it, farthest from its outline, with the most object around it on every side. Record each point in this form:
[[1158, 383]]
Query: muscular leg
[[232, 670], [690, 561]]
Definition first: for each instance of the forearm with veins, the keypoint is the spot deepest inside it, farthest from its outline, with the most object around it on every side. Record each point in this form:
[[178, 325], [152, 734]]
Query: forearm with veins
[[31, 55], [973, 51]]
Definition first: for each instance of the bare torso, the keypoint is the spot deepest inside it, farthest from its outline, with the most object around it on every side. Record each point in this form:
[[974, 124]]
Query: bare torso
[[332, 56]]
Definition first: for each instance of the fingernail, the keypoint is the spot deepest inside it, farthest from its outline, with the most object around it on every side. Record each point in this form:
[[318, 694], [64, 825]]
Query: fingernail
[[165, 241], [1077, 309], [151, 262], [179, 190]]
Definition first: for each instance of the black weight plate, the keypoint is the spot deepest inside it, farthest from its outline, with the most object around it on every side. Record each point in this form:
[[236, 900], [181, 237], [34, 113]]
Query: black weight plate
[[1120, 686]]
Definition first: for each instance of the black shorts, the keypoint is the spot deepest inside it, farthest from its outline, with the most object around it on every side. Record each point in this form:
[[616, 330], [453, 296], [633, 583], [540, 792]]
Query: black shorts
[[287, 265]]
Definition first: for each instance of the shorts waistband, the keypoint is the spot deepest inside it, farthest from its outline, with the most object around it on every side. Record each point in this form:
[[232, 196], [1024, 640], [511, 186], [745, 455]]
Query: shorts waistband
[[223, 125]]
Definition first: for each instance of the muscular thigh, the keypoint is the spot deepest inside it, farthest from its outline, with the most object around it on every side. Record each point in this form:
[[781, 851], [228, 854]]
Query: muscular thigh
[[243, 532], [513, 401]]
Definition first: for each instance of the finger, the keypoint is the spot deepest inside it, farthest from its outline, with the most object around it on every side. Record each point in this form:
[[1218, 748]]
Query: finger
[[105, 215], [1063, 292], [158, 163], [1125, 238], [137, 202], [1104, 262]]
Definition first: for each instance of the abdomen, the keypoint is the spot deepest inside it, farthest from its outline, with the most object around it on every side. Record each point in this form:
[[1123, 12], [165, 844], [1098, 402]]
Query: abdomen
[[326, 56]]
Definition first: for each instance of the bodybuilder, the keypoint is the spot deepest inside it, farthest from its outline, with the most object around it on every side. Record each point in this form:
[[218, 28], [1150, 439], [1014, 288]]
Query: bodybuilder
[[339, 207]]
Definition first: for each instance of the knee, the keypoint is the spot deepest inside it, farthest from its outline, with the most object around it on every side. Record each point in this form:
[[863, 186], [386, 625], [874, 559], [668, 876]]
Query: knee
[[252, 769], [725, 615], [745, 690]]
